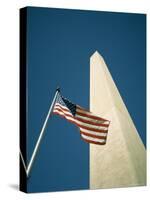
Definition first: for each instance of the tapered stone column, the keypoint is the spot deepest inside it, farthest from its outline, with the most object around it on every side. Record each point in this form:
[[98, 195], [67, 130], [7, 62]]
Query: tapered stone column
[[122, 161]]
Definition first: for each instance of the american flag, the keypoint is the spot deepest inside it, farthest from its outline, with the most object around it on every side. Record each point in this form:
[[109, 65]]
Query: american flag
[[93, 129]]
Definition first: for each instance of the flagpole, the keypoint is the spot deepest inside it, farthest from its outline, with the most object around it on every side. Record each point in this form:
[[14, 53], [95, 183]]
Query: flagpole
[[41, 134], [23, 162]]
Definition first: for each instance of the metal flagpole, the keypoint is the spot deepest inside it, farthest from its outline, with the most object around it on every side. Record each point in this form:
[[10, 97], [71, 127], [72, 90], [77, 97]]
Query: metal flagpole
[[28, 168], [23, 162]]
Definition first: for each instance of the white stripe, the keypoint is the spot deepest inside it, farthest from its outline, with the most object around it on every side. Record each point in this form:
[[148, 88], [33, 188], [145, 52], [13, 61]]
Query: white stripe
[[94, 120], [83, 117], [62, 114], [93, 132], [92, 126], [90, 119], [93, 139], [57, 105], [66, 112], [78, 122], [58, 112]]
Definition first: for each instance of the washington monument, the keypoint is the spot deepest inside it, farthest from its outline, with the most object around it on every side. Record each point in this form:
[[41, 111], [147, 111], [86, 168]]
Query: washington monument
[[122, 161]]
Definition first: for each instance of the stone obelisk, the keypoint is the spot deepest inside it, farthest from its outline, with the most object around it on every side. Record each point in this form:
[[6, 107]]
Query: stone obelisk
[[122, 161]]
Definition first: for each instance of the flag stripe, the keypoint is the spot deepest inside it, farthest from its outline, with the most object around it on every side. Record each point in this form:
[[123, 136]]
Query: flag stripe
[[94, 125], [65, 116], [60, 106], [80, 121], [69, 117], [93, 136], [93, 142], [91, 116], [96, 120], [64, 112], [90, 122], [81, 110], [93, 139], [93, 133]]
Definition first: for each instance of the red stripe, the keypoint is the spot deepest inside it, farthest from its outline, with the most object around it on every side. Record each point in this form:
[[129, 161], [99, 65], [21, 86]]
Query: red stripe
[[89, 141], [94, 136], [57, 113], [92, 123], [92, 129], [82, 126], [82, 120], [93, 142], [61, 107], [91, 116], [61, 110]]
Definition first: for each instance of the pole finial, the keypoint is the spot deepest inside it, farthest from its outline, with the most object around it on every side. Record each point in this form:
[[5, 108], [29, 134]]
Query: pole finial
[[58, 89]]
